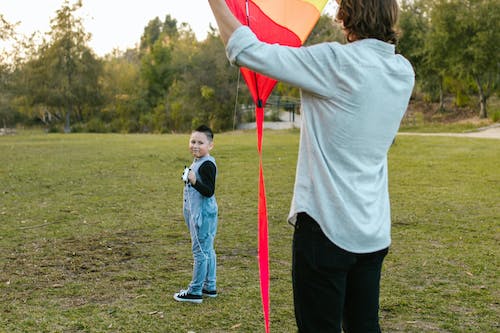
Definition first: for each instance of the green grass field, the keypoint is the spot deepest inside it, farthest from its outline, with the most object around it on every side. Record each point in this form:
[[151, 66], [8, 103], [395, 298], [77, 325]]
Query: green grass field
[[92, 237]]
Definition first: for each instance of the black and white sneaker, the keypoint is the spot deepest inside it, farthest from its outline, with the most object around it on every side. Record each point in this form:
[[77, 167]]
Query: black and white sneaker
[[209, 293], [185, 296]]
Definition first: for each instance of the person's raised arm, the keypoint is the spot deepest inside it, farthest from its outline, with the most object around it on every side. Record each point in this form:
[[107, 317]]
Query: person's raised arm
[[225, 19]]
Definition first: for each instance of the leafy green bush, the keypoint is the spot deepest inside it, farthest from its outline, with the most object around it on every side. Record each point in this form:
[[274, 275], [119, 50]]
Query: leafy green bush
[[96, 125]]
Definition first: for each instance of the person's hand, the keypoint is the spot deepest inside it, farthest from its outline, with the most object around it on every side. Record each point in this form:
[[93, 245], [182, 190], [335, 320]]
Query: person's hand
[[191, 177], [226, 21]]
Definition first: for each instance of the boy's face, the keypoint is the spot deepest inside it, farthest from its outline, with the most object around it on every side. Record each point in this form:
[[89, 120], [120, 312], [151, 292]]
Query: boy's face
[[199, 144]]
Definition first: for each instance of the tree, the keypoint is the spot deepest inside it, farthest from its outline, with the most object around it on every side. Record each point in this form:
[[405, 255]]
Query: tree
[[217, 81], [12, 58], [325, 30], [64, 74], [485, 49], [151, 34], [7, 33], [170, 27], [434, 66], [465, 35], [414, 42], [122, 91], [156, 71]]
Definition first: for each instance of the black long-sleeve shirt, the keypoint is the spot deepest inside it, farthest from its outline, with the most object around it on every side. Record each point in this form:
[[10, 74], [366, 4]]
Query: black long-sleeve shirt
[[206, 185]]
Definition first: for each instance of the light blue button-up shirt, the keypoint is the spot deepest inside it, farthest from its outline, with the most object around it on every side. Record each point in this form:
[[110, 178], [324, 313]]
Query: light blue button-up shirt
[[353, 99]]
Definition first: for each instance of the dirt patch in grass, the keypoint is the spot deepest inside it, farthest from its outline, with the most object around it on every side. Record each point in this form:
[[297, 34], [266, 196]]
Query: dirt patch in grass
[[55, 264], [451, 113]]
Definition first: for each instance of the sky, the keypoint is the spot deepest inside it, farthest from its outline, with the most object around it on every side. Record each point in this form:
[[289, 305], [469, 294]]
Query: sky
[[112, 23]]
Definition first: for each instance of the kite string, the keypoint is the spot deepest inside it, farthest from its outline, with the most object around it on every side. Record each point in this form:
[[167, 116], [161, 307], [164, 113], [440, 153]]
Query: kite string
[[236, 100]]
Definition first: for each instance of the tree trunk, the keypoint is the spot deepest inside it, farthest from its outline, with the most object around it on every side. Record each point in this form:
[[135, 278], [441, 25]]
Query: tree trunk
[[441, 95], [483, 113], [79, 114], [67, 127]]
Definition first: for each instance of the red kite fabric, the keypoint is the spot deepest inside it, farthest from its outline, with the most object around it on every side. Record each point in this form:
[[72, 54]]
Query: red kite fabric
[[285, 22]]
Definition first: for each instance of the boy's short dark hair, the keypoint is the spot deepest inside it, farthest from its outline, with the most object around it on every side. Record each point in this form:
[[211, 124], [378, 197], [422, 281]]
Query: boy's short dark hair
[[369, 19], [207, 130]]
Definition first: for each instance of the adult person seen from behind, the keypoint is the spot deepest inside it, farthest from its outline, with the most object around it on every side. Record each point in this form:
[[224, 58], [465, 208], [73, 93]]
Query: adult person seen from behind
[[353, 98]]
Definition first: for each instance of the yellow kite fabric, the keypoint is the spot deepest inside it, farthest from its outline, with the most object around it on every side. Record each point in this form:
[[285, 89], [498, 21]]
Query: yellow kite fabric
[[298, 16]]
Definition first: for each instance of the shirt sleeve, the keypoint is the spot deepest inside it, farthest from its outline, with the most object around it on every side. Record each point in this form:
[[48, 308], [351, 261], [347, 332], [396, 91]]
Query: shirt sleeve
[[206, 184], [303, 67]]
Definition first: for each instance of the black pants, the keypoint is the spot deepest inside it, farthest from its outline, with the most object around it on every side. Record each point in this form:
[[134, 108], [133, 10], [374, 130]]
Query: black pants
[[333, 288]]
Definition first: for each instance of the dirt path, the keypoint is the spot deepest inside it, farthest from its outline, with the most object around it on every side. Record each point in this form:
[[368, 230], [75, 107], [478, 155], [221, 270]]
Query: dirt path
[[490, 132]]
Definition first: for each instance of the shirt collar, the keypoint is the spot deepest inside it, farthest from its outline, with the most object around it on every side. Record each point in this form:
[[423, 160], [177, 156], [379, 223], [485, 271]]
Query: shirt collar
[[376, 44]]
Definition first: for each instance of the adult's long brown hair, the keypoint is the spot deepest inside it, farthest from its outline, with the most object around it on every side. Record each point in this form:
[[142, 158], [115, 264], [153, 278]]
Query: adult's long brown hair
[[369, 19]]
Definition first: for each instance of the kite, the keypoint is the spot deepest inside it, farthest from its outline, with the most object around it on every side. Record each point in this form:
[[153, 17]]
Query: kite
[[285, 22]]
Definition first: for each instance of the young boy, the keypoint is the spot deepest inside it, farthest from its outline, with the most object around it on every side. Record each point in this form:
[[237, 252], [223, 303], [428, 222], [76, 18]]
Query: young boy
[[200, 212]]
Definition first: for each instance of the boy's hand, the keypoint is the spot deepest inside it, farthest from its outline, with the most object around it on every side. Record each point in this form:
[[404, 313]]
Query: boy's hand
[[191, 177]]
